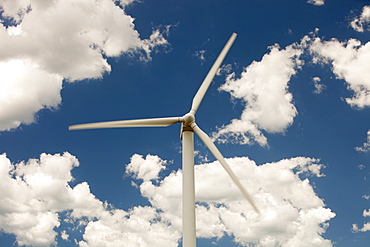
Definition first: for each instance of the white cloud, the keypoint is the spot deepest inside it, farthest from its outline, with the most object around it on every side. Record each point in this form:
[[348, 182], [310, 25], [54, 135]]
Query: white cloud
[[268, 104], [36, 196], [316, 2], [200, 55], [15, 10], [52, 46], [141, 226], [126, 2], [318, 86], [366, 145], [365, 228], [361, 166], [350, 61], [358, 23], [64, 235], [292, 214], [24, 90], [145, 169], [33, 193], [366, 213]]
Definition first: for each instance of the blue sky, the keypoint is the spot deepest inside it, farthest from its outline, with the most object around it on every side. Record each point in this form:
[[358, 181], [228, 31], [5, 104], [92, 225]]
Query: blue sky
[[289, 110]]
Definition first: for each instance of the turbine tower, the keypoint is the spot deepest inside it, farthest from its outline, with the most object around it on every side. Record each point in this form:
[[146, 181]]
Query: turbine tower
[[188, 127]]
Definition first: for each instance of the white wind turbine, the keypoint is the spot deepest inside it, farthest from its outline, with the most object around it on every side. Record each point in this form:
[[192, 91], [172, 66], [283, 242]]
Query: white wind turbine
[[188, 127]]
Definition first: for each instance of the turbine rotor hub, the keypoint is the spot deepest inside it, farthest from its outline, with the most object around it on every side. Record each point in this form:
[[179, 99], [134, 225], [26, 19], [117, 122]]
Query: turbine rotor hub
[[188, 119]]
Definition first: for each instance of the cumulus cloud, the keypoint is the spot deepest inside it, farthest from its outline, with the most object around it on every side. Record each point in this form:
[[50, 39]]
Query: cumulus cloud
[[145, 169], [141, 226], [292, 214], [51, 46], [268, 103], [24, 90], [316, 2], [366, 145], [36, 198], [350, 61], [32, 194], [360, 23], [365, 228]]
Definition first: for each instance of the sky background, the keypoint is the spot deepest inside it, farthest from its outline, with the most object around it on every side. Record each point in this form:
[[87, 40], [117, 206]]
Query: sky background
[[289, 110]]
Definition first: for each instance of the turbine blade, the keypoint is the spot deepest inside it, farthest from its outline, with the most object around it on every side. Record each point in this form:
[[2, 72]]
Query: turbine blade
[[214, 150], [211, 74], [150, 122]]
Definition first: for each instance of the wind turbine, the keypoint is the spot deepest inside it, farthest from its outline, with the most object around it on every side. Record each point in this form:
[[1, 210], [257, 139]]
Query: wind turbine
[[188, 127]]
